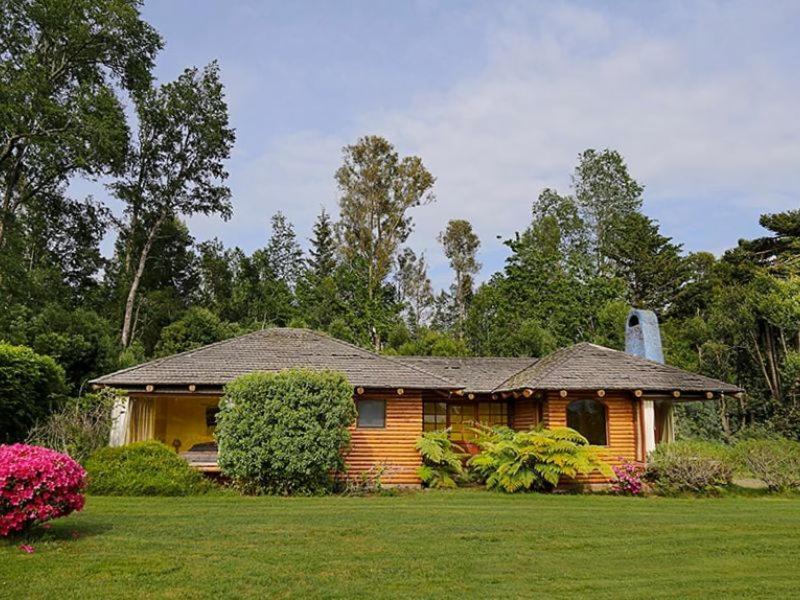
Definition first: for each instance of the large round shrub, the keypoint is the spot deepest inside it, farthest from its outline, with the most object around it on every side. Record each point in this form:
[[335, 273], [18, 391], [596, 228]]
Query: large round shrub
[[285, 432], [31, 387], [36, 485], [142, 469]]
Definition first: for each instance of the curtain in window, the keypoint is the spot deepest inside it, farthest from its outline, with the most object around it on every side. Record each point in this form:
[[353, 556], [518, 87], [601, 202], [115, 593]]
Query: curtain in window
[[142, 420]]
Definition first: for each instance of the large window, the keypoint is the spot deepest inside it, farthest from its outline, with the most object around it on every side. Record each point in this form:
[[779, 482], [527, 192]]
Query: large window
[[588, 417], [461, 417], [371, 413]]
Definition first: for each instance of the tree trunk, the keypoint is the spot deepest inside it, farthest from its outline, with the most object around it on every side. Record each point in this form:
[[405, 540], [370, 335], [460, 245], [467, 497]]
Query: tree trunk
[[137, 278]]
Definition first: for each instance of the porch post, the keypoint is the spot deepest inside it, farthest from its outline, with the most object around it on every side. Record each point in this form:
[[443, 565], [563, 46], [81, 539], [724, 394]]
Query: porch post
[[120, 418], [649, 425]]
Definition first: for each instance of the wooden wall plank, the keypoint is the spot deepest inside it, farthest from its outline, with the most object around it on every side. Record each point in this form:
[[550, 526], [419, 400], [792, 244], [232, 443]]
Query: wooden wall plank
[[392, 446]]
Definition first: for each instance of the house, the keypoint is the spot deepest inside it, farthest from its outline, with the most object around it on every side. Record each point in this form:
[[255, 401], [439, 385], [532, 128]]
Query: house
[[619, 400]]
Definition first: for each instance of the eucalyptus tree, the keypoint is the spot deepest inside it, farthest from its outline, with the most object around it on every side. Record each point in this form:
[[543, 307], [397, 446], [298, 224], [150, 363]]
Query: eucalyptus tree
[[414, 287], [377, 188], [62, 64], [175, 168], [460, 244]]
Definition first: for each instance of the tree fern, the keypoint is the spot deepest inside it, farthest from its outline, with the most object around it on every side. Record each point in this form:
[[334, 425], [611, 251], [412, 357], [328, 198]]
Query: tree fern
[[443, 461], [514, 461]]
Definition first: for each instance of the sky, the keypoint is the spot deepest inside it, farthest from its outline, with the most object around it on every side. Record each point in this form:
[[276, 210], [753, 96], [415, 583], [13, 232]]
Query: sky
[[498, 99]]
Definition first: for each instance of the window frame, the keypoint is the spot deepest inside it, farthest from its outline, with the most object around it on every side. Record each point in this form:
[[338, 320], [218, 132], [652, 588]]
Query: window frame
[[358, 413], [607, 429]]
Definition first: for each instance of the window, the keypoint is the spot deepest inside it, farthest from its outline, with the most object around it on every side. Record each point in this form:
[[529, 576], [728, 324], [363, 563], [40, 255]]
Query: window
[[371, 413], [434, 416], [588, 417], [493, 413]]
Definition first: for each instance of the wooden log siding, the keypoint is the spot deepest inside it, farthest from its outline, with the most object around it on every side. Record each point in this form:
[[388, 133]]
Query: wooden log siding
[[525, 413], [393, 445], [622, 425]]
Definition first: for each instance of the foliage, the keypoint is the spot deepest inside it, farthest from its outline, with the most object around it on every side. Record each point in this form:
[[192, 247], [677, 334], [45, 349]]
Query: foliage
[[79, 340], [377, 188], [460, 244], [776, 462], [695, 467], [285, 432], [443, 461], [62, 63], [197, 327], [80, 428], [514, 461], [414, 287], [628, 478], [176, 167], [31, 387], [36, 485], [142, 469]]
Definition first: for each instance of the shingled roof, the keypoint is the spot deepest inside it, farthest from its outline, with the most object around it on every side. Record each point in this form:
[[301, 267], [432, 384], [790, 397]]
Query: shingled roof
[[588, 366], [275, 349], [480, 375]]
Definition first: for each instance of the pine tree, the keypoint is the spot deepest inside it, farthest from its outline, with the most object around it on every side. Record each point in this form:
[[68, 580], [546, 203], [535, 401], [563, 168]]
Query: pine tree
[[323, 246]]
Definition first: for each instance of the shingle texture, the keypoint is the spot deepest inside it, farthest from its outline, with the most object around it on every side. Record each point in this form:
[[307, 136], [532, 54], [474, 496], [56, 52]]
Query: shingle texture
[[473, 374], [578, 367], [587, 366], [276, 349]]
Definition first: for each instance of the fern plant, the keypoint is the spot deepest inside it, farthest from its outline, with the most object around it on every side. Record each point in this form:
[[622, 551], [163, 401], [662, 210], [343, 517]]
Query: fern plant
[[443, 461], [514, 461]]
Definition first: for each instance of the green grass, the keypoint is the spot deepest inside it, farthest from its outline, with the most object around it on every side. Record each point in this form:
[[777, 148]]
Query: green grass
[[420, 545]]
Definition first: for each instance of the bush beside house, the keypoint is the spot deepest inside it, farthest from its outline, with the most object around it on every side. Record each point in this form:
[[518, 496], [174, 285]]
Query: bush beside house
[[142, 469], [285, 432]]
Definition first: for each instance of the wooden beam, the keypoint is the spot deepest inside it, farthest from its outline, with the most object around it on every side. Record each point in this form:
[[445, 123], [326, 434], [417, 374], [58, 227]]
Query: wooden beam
[[192, 387], [638, 393], [359, 390], [400, 391], [601, 393], [149, 387], [471, 396], [527, 392], [563, 393], [709, 395], [676, 394]]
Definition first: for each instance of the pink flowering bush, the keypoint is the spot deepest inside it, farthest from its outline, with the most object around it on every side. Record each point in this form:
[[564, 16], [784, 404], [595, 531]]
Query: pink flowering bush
[[36, 485], [628, 479]]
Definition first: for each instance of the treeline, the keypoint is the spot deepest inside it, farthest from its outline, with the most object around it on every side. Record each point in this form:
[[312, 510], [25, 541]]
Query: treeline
[[78, 100]]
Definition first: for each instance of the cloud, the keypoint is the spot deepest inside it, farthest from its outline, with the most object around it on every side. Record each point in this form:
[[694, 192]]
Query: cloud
[[701, 101]]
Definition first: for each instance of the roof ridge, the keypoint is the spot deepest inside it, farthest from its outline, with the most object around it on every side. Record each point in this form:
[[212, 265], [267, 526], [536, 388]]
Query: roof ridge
[[555, 359], [323, 335]]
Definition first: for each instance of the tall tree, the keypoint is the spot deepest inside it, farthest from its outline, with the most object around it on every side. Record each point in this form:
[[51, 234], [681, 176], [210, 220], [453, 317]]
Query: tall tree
[[61, 62], [323, 246], [414, 287], [176, 167], [460, 244], [377, 188], [282, 257], [605, 194]]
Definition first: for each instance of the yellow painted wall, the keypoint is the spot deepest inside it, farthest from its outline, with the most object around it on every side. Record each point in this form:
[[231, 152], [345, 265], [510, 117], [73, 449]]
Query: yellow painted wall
[[184, 419]]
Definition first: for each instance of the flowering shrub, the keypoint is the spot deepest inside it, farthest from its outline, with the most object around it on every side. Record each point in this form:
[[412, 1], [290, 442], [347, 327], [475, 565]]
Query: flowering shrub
[[36, 485], [628, 478]]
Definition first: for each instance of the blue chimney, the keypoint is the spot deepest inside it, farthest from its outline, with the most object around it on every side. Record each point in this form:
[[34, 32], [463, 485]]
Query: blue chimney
[[642, 336]]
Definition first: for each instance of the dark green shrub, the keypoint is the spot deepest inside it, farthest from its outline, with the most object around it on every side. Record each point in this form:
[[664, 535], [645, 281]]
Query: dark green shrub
[[694, 467], [197, 327], [516, 461], [80, 428], [142, 469], [31, 387], [285, 432], [776, 462], [443, 461]]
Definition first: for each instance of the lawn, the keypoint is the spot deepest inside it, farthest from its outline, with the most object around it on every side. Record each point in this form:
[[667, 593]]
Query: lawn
[[424, 545]]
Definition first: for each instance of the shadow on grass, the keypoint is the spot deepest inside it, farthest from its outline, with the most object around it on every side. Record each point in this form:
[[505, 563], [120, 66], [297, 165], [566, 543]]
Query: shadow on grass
[[55, 533]]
